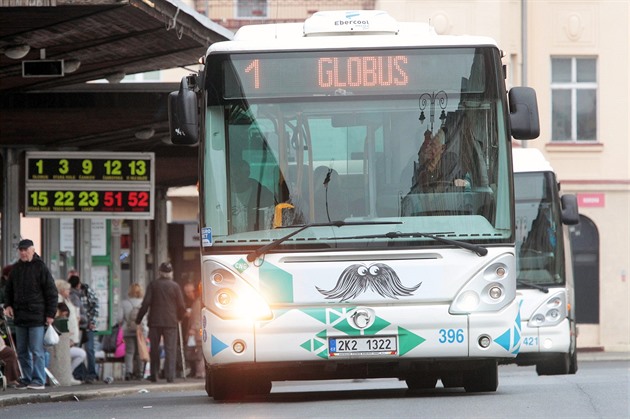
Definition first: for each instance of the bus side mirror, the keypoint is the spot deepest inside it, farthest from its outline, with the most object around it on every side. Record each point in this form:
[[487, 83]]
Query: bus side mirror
[[183, 112], [524, 123], [570, 215]]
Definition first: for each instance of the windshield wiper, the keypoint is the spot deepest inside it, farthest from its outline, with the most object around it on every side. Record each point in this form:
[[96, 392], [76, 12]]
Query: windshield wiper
[[479, 250], [532, 285], [264, 249]]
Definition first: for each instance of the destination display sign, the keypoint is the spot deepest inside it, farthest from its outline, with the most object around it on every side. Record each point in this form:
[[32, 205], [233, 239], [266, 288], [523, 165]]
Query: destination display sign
[[343, 73]]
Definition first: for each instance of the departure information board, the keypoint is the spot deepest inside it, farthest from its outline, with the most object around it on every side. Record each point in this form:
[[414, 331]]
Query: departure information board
[[90, 184], [110, 168]]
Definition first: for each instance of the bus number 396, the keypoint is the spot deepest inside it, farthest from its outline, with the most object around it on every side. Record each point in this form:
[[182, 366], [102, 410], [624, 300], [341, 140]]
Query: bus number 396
[[451, 335]]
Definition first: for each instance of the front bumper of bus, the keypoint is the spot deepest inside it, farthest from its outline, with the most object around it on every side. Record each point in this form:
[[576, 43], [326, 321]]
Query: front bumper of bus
[[417, 333], [545, 340]]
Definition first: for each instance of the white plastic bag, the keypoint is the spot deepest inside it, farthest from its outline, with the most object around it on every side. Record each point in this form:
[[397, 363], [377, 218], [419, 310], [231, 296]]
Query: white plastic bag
[[191, 341], [51, 337]]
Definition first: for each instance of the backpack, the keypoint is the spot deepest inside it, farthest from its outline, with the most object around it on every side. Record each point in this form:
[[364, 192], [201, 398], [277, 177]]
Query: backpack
[[130, 321]]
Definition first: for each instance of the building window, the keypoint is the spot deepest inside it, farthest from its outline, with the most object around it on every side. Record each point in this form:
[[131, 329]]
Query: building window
[[574, 99], [251, 8]]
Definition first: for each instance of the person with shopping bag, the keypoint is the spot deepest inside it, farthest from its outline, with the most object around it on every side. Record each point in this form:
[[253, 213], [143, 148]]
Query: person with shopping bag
[[31, 300], [129, 309]]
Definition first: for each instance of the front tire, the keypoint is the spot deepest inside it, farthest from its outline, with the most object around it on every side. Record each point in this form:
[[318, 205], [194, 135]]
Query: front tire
[[224, 386], [233, 385], [421, 382], [559, 364], [485, 378], [452, 380], [573, 363], [208, 384]]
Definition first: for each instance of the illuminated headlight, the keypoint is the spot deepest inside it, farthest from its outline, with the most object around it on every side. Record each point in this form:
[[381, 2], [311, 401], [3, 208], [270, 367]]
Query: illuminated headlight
[[224, 298], [230, 297], [551, 312]]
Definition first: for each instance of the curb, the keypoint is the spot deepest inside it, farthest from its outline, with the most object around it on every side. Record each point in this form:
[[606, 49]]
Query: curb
[[70, 395]]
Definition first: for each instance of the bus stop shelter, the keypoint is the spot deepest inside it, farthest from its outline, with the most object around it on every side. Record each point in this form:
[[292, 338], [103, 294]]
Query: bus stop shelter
[[49, 52]]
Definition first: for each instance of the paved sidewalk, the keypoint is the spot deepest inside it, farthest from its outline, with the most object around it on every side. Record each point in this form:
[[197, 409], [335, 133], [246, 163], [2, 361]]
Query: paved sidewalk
[[13, 397]]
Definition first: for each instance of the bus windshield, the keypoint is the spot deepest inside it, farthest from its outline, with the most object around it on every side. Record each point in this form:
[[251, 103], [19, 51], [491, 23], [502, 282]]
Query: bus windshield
[[539, 241], [415, 136]]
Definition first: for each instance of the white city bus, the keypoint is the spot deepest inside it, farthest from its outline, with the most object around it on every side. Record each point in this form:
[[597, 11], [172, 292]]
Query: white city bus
[[328, 251], [544, 266]]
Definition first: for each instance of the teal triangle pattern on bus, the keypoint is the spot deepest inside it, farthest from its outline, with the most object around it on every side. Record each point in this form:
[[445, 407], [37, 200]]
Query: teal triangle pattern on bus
[[317, 345], [216, 345], [510, 340], [327, 315], [408, 340], [276, 285]]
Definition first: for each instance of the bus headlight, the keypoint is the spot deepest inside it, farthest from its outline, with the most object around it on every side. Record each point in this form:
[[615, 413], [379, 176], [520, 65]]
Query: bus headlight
[[495, 292], [230, 297], [468, 301], [490, 289], [551, 312]]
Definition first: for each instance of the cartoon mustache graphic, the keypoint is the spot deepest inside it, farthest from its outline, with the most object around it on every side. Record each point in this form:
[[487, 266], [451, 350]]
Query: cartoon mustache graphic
[[378, 277]]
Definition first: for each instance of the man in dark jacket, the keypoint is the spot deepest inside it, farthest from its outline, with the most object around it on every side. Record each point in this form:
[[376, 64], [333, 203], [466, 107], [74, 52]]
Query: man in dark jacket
[[165, 304], [31, 299]]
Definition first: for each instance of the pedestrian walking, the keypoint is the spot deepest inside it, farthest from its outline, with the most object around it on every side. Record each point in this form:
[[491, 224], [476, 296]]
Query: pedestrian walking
[[31, 300], [165, 304]]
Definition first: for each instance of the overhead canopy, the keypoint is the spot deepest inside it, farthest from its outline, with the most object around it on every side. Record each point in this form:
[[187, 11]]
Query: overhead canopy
[[108, 38]]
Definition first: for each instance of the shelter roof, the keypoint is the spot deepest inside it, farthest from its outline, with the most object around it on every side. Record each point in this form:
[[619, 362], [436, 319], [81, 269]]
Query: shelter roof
[[108, 37]]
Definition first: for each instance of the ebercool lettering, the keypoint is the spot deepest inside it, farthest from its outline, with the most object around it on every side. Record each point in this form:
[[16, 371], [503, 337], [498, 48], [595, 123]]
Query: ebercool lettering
[[351, 22], [370, 71]]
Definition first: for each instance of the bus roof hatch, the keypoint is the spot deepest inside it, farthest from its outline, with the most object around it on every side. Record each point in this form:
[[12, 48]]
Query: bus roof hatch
[[350, 22]]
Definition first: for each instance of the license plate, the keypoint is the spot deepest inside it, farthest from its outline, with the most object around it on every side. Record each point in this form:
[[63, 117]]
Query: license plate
[[363, 345]]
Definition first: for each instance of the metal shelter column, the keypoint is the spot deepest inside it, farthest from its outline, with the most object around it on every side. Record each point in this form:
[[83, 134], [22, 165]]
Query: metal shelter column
[[161, 230], [83, 249], [50, 246], [10, 205], [138, 252]]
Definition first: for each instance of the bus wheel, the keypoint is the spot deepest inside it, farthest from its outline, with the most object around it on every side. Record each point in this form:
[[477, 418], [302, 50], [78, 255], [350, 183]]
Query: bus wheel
[[421, 382], [208, 384], [225, 386], [485, 378], [451, 380], [259, 386], [573, 363], [557, 365]]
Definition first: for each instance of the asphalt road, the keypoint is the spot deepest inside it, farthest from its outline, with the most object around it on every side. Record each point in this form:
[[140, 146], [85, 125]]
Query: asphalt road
[[599, 390]]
